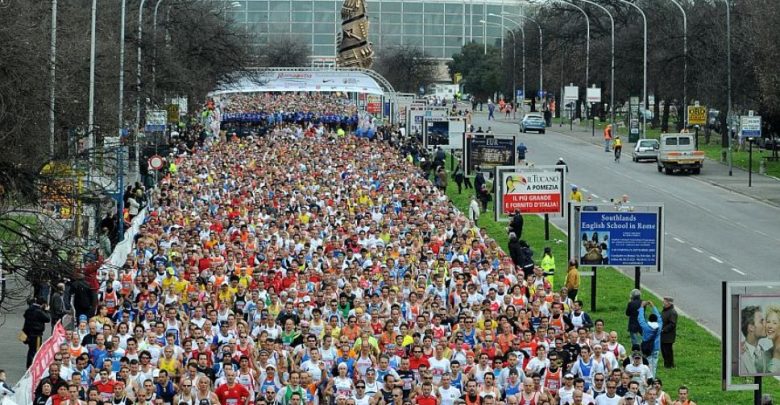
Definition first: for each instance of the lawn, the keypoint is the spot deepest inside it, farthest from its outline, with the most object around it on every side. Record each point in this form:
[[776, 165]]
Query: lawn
[[697, 353]]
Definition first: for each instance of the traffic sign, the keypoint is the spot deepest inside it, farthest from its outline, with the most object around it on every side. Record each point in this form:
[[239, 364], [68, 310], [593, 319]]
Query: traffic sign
[[156, 162], [750, 126], [697, 115], [520, 95], [156, 120]]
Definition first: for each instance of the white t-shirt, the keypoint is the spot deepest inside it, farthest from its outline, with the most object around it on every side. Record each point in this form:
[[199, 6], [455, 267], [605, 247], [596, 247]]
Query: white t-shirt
[[604, 400], [449, 395], [438, 367]]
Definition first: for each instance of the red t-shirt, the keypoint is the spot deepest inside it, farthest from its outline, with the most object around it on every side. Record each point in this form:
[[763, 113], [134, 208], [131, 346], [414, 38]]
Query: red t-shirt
[[423, 400], [235, 395]]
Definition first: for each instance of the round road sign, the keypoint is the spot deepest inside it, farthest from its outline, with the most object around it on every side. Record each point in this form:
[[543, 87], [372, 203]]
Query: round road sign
[[156, 162]]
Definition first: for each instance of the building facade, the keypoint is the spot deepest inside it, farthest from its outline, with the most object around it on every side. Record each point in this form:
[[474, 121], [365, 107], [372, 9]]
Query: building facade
[[440, 27]]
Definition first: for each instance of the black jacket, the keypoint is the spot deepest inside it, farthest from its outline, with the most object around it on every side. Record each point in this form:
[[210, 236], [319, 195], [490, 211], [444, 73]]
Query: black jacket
[[83, 297], [516, 225], [632, 312], [35, 320], [515, 251], [57, 305], [669, 329]]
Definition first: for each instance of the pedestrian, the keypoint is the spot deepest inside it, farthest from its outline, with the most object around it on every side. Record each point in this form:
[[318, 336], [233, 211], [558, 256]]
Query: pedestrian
[[521, 151], [632, 309], [516, 226], [57, 304], [459, 177], [35, 319], [441, 179], [474, 209], [651, 334], [563, 169], [508, 110], [480, 185], [515, 249], [669, 331], [576, 195], [84, 297], [548, 264], [572, 280], [607, 137], [491, 111]]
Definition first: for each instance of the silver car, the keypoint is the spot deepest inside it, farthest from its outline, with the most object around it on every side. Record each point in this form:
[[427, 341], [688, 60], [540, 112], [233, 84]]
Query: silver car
[[646, 149]]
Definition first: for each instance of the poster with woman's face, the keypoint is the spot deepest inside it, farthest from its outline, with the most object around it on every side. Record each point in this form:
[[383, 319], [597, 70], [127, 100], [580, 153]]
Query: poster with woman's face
[[758, 347]]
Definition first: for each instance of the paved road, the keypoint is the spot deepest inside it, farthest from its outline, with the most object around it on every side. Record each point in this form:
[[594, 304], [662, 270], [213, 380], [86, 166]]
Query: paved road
[[715, 230]]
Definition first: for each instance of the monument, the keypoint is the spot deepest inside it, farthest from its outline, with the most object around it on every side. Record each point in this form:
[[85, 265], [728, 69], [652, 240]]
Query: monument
[[354, 50]]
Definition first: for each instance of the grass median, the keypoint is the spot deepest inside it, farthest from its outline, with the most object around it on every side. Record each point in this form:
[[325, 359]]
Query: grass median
[[697, 352]]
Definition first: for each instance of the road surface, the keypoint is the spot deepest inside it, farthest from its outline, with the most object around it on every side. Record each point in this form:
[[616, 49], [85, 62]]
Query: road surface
[[712, 234]]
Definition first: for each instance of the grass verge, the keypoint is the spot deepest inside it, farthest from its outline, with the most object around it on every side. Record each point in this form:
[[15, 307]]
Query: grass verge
[[697, 352]]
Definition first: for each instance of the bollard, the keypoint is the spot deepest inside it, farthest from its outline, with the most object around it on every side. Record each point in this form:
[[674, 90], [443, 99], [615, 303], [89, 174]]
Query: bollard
[[762, 166]]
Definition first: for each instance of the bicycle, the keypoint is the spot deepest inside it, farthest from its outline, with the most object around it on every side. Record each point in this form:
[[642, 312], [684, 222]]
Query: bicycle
[[618, 149]]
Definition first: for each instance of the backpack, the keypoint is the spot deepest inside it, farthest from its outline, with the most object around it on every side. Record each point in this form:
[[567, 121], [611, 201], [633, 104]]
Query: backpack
[[648, 346]]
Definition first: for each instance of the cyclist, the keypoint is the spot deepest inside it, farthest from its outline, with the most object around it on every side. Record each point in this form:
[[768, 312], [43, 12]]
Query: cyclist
[[617, 145]]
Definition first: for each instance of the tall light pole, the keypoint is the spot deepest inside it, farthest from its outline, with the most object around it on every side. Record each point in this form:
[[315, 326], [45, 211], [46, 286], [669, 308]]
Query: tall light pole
[[612, 73], [52, 76], [522, 35], [685, 62], [514, 58], [541, 46], [728, 69], [644, 65], [91, 117], [138, 87], [154, 49], [120, 119], [587, 37]]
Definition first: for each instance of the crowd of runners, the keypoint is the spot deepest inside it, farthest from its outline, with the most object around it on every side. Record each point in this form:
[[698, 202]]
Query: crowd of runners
[[310, 266]]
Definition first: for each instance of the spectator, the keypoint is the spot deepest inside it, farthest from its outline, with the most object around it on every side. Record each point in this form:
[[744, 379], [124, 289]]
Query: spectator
[[632, 312], [651, 334], [669, 331], [35, 319]]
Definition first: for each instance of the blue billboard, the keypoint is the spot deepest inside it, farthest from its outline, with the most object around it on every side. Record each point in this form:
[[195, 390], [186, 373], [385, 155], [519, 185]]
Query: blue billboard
[[618, 238]]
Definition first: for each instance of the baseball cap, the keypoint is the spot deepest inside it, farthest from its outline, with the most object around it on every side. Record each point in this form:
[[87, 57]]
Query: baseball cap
[[82, 318], [569, 375], [636, 355]]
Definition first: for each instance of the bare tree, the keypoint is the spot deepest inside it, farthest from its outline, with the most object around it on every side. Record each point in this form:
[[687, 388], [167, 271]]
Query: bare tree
[[285, 51], [406, 67]]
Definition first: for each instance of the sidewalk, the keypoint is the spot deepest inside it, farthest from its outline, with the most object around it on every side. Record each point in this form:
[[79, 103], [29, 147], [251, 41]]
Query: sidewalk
[[765, 188]]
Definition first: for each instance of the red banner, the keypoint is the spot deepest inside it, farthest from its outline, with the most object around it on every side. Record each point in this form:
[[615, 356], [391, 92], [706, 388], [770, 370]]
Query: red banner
[[45, 355], [374, 108], [548, 203]]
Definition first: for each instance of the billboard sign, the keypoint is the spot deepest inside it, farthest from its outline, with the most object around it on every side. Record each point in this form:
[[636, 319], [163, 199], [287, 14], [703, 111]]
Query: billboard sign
[[446, 132], [532, 190], [487, 151], [617, 235], [751, 332], [697, 115], [594, 95]]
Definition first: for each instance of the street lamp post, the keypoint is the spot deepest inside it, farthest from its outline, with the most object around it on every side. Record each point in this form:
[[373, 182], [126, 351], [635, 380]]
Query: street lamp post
[[91, 115], [612, 73], [52, 76], [541, 46], [138, 86], [514, 58], [685, 62], [644, 65], [522, 36], [154, 49], [728, 69]]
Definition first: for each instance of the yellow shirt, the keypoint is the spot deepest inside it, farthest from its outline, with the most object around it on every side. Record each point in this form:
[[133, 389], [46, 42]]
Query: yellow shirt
[[575, 196]]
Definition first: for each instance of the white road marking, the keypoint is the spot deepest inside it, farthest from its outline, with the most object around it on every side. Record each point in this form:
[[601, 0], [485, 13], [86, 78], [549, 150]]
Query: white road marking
[[678, 239], [595, 196], [738, 272], [716, 259], [584, 190], [697, 250]]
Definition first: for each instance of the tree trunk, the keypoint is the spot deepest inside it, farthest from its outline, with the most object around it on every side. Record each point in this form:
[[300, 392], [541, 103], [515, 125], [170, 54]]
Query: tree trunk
[[665, 117]]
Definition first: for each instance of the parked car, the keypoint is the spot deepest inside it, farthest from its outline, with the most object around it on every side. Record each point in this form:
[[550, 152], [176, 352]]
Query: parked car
[[532, 122], [646, 149]]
